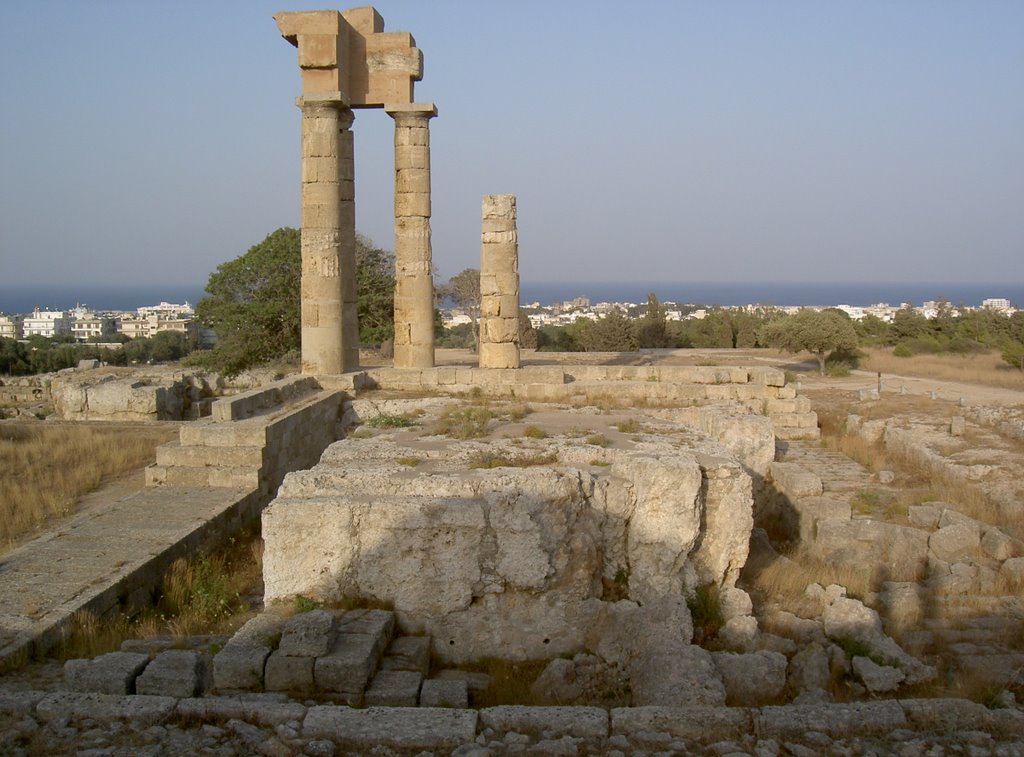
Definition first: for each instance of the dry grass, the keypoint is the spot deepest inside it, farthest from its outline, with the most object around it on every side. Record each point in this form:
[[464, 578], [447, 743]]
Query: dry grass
[[986, 368], [788, 577], [47, 468], [197, 596]]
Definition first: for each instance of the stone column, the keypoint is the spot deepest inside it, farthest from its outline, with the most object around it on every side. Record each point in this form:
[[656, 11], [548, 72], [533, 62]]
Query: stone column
[[330, 326], [414, 283], [499, 283]]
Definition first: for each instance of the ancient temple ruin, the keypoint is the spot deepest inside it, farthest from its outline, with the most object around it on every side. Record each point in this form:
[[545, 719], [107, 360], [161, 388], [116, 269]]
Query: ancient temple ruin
[[347, 62]]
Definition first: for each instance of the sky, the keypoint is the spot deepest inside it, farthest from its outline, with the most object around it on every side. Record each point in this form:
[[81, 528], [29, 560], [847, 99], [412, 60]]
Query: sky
[[713, 140]]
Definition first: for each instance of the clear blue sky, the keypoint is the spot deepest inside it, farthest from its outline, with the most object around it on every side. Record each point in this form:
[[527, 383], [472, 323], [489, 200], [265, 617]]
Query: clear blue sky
[[703, 141]]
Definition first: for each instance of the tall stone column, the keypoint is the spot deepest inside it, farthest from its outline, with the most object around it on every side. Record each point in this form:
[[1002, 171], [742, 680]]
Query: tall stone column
[[330, 326], [499, 283], [414, 283]]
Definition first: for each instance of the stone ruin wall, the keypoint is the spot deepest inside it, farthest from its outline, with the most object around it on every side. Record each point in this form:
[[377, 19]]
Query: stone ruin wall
[[514, 563]]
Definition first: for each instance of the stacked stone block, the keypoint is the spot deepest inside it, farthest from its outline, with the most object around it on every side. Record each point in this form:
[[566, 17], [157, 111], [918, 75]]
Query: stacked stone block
[[499, 283], [414, 283]]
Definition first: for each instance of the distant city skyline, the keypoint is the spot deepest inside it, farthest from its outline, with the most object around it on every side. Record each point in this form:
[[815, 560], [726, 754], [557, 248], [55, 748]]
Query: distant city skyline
[[794, 141]]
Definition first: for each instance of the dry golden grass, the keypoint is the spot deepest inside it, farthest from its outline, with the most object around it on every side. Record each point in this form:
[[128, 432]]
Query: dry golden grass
[[197, 596], [47, 468], [789, 576], [985, 368]]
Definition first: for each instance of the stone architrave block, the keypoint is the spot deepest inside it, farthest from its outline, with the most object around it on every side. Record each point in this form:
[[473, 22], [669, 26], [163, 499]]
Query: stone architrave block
[[288, 673], [174, 673], [408, 653], [308, 634], [676, 674], [836, 720], [696, 723], [436, 692], [111, 673], [394, 688]]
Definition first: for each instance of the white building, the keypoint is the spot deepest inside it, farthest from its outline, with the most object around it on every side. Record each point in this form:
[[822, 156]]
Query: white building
[[166, 310], [12, 326], [997, 303], [86, 325], [149, 325], [48, 323]]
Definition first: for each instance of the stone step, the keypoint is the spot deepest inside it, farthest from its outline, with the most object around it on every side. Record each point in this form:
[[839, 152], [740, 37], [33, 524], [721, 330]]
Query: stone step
[[360, 640], [394, 688], [233, 477], [247, 433], [175, 454]]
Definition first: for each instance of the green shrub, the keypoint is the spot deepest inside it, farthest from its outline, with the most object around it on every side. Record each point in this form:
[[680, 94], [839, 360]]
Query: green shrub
[[390, 421], [534, 432], [902, 350]]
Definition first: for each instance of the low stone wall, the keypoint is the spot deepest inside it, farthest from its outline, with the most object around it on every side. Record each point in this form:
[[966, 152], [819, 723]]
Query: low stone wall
[[760, 390], [64, 721]]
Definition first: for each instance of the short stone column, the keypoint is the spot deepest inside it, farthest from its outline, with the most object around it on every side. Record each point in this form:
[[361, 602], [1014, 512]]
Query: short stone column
[[330, 320], [414, 283], [499, 283]]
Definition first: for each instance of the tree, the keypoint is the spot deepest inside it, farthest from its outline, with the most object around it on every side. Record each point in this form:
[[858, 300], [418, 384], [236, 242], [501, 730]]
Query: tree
[[375, 285], [612, 333], [253, 304], [1013, 354], [253, 301], [464, 290], [14, 358], [652, 330], [527, 333], [817, 332]]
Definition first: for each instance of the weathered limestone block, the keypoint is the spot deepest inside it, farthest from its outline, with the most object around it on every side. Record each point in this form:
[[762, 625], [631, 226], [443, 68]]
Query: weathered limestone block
[[1012, 571], [252, 710], [444, 693], [111, 673], [622, 631], [727, 520], [307, 634], [850, 619], [661, 506], [955, 542], [999, 546], [348, 666], [547, 722], [751, 679], [811, 511], [240, 664], [408, 653], [795, 481], [809, 669], [175, 673], [899, 553], [836, 720], [877, 678], [407, 729], [104, 708], [696, 723], [288, 672], [394, 688], [676, 675]]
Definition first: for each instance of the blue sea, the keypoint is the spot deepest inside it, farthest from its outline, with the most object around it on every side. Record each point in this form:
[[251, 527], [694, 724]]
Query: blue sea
[[22, 299]]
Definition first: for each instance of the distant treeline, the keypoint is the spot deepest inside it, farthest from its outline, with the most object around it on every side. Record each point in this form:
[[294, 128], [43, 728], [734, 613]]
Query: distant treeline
[[43, 354]]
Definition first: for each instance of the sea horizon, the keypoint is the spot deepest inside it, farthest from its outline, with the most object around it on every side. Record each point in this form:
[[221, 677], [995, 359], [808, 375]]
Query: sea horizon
[[23, 298]]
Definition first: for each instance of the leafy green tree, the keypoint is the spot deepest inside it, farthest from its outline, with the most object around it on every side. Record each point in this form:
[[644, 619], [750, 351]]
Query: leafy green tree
[[652, 330], [612, 333], [713, 330], [817, 332], [464, 290], [907, 323], [253, 301], [253, 304], [375, 286], [14, 357], [168, 345], [1013, 354], [746, 330], [872, 330], [527, 333]]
